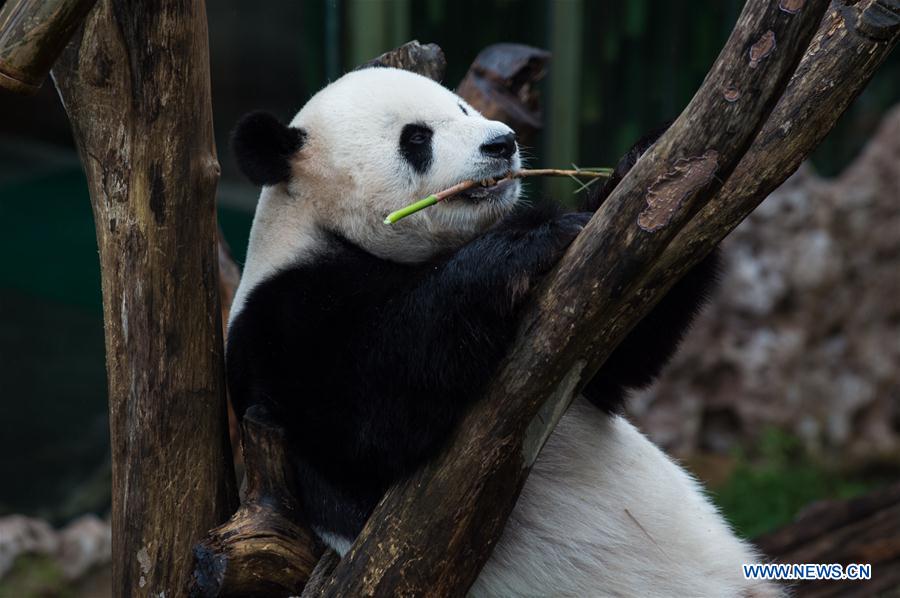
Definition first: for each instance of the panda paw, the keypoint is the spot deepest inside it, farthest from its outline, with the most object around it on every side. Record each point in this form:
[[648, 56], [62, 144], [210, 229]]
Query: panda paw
[[510, 259], [542, 248], [569, 225]]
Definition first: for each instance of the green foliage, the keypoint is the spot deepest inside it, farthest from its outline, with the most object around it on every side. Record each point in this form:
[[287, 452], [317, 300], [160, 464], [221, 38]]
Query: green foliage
[[768, 489]]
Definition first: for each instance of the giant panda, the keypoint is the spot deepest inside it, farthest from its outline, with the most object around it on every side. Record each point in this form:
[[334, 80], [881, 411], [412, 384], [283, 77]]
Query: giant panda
[[369, 341]]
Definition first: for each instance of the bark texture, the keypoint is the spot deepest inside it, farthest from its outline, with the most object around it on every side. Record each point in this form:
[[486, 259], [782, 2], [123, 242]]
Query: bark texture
[[425, 59], [135, 83], [32, 35]]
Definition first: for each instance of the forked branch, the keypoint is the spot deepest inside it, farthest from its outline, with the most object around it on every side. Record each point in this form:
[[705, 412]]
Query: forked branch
[[431, 535]]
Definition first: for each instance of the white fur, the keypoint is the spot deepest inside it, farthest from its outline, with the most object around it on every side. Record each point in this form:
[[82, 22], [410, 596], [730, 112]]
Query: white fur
[[351, 170], [604, 511], [283, 232]]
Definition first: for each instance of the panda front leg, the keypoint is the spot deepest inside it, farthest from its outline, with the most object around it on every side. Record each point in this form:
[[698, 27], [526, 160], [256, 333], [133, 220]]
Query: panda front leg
[[448, 329], [473, 296], [641, 355], [510, 257]]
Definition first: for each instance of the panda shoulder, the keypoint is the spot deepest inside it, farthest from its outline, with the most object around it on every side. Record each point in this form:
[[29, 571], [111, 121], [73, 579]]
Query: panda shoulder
[[335, 280]]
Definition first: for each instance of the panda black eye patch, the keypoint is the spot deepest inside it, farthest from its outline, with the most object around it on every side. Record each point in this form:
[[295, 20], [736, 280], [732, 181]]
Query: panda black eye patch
[[415, 146]]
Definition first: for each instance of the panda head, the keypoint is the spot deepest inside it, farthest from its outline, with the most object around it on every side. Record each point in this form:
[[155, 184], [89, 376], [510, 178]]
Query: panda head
[[370, 143]]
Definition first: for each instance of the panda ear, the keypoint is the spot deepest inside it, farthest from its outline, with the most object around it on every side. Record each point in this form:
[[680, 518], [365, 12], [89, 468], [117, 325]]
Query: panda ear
[[263, 147]]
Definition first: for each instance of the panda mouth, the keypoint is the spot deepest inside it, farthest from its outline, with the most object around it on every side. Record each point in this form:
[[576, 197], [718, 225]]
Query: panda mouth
[[488, 190]]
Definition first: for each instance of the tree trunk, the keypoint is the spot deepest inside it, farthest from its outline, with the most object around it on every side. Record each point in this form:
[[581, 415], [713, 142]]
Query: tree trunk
[[425, 59], [135, 83]]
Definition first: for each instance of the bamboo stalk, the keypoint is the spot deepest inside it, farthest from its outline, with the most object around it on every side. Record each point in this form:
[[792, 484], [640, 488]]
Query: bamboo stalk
[[466, 185]]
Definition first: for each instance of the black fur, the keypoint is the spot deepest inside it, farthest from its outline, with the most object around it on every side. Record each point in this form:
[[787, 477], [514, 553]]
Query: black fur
[[370, 363], [415, 146], [641, 356], [263, 147]]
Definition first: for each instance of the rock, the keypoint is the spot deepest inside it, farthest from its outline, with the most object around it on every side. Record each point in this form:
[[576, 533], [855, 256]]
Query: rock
[[83, 544], [24, 535], [804, 331]]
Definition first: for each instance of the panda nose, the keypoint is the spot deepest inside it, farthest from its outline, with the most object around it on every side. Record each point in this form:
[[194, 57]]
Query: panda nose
[[502, 146]]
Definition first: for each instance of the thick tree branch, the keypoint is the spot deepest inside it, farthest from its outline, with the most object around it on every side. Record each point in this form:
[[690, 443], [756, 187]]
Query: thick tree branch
[[135, 83], [431, 535], [32, 35], [841, 59]]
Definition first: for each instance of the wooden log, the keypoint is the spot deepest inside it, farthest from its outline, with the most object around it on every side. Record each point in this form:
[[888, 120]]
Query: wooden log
[[431, 534], [135, 84], [32, 35], [863, 530], [425, 59], [502, 84], [265, 549]]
